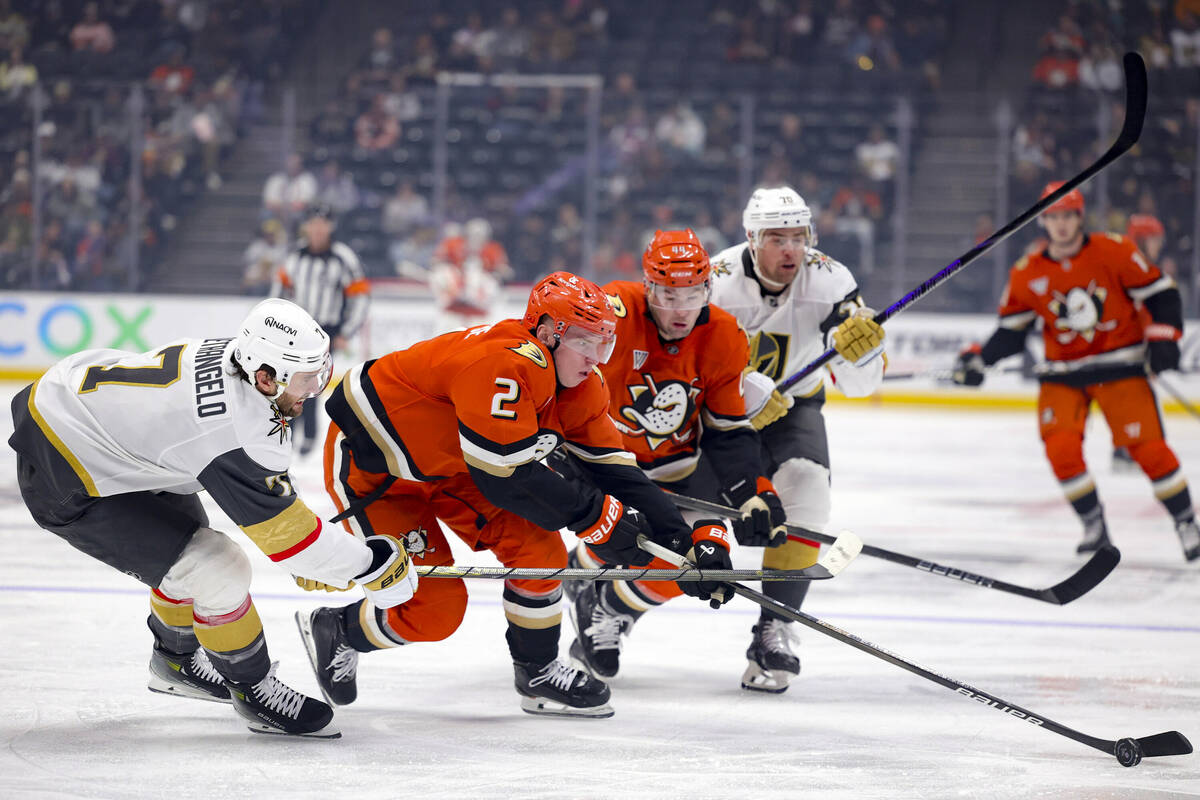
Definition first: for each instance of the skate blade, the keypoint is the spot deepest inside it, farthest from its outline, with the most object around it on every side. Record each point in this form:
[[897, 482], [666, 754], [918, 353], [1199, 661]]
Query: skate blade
[[304, 624], [540, 706], [159, 685], [179, 691], [757, 679], [328, 732]]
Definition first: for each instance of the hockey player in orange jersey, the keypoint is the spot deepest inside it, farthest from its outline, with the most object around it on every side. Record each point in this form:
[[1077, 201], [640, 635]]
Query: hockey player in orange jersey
[[675, 386], [1084, 286], [466, 276], [453, 429]]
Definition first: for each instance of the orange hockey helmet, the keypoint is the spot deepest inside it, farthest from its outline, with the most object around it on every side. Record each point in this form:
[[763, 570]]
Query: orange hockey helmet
[[675, 258], [1143, 226], [1071, 201], [580, 311]]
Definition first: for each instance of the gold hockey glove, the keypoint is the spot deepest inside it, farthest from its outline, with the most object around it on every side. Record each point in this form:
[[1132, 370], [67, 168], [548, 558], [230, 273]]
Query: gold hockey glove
[[859, 338]]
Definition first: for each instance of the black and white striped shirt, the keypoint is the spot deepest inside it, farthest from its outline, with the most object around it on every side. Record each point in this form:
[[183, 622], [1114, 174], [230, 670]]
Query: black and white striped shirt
[[329, 285]]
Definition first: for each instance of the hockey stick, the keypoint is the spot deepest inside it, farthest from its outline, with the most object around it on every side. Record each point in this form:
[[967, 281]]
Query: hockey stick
[[1128, 751], [1135, 115], [938, 374], [817, 572], [1083, 581], [1171, 390]]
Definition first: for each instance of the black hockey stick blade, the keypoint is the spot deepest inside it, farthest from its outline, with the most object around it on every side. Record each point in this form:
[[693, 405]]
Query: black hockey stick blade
[[1171, 743], [1131, 131], [1129, 752], [1083, 581], [1089, 576]]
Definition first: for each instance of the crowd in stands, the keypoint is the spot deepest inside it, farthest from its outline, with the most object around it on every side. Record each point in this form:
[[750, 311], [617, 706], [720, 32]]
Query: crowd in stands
[[198, 69], [672, 149], [1078, 71]]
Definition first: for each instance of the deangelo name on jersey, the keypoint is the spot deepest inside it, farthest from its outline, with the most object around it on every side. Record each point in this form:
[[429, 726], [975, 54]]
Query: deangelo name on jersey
[[209, 374]]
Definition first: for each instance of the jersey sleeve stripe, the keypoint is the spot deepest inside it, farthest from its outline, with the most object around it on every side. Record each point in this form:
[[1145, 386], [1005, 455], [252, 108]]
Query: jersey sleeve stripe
[[288, 532], [601, 455], [365, 404], [298, 546], [485, 464], [63, 450], [1019, 321], [672, 468], [483, 453], [723, 422], [1152, 288]]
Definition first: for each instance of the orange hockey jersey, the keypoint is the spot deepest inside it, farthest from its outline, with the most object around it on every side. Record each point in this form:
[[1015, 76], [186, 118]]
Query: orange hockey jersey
[[1086, 303], [485, 397], [664, 394]]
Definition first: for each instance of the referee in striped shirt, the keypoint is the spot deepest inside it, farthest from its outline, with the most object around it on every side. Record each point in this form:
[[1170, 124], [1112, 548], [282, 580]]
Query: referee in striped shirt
[[323, 277]]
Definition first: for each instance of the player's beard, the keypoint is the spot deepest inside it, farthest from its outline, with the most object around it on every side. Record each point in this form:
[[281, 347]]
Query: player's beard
[[292, 410]]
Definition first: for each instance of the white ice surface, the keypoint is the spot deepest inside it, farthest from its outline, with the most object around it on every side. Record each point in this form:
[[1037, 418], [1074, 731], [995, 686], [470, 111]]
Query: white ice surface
[[968, 489]]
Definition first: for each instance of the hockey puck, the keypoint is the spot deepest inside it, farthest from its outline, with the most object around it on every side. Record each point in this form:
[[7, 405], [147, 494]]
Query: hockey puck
[[1128, 752]]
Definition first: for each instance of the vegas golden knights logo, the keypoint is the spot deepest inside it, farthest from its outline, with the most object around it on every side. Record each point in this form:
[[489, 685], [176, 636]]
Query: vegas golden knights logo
[[769, 353]]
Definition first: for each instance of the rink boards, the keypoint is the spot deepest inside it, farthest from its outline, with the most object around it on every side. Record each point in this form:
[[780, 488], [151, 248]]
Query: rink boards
[[39, 328]]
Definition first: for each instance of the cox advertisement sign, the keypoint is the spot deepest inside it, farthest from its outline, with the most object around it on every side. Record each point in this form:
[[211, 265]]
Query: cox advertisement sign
[[39, 328]]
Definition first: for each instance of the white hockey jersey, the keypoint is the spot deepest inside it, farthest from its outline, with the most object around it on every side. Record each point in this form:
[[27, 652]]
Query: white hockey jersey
[[790, 329], [180, 419]]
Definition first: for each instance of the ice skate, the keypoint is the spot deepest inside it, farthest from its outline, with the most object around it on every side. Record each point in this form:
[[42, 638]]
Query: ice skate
[[1189, 538], [559, 690], [1095, 536], [191, 675], [333, 660], [772, 662], [600, 634], [271, 706]]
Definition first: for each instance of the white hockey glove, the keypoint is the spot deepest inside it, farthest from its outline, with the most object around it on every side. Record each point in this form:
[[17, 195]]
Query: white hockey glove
[[764, 403], [391, 579], [859, 338]]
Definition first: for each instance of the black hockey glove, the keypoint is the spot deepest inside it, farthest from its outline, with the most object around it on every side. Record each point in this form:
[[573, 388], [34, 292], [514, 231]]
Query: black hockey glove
[[968, 367], [762, 519], [1162, 355], [612, 533], [710, 550]]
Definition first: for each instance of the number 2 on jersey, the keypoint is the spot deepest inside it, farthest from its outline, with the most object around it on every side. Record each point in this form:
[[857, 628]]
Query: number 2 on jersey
[[510, 394], [165, 374]]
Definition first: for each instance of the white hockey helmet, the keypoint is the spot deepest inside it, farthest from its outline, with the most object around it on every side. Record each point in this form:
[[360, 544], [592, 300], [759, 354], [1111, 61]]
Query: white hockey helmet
[[282, 335], [777, 207]]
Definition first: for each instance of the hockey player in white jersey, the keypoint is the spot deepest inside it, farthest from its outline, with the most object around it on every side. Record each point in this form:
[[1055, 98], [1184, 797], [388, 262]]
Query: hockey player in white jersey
[[112, 448], [794, 302]]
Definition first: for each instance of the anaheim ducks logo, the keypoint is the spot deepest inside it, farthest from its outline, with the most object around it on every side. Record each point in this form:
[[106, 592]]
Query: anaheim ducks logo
[[532, 352], [618, 305], [1078, 313], [416, 542], [769, 353], [660, 412]]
